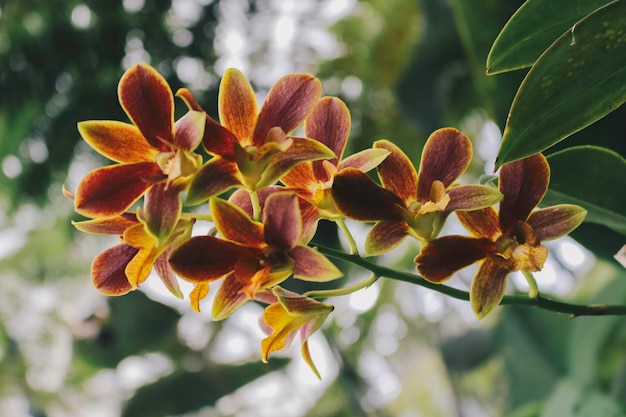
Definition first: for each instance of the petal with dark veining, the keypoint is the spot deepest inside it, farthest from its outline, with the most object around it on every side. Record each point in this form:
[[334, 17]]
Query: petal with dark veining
[[288, 102], [281, 217], [488, 287], [235, 225], [446, 155], [385, 236], [237, 105], [481, 223], [148, 101], [556, 221], [107, 270], [523, 184], [215, 177], [472, 197], [312, 265], [120, 142], [397, 172]]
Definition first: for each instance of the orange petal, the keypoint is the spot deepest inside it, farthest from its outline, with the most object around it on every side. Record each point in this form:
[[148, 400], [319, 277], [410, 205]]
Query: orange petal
[[397, 173], [488, 287], [120, 142], [107, 270], [149, 103], [288, 102], [235, 225], [329, 123], [199, 293], [442, 257], [111, 190], [446, 155], [358, 197], [523, 184], [481, 223], [300, 176], [237, 105], [229, 298]]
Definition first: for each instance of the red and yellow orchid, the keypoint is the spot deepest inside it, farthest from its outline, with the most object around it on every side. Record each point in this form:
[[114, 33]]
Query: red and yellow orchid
[[329, 123], [290, 314], [254, 150], [411, 203], [505, 241], [154, 155], [252, 256]]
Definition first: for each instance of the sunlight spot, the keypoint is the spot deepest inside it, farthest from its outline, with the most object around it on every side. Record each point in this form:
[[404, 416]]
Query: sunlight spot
[[351, 87], [572, 254], [182, 37], [134, 371], [34, 23], [37, 150], [365, 299], [81, 16], [284, 31], [433, 306], [11, 166], [132, 6], [194, 331]]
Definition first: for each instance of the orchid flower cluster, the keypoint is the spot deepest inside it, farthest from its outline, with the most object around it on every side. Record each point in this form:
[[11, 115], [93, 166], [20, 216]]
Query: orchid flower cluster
[[278, 187]]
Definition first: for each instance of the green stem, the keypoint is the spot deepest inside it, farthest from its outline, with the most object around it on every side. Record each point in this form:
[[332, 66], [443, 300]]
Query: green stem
[[343, 291], [533, 290], [256, 206], [346, 232], [518, 299]]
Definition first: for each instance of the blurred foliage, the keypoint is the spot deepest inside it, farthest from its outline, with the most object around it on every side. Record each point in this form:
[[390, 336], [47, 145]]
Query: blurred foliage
[[415, 66]]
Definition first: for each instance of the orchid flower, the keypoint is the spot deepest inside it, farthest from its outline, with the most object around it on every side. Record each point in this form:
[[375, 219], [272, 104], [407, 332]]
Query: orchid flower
[[292, 313], [504, 241], [411, 203], [252, 256], [254, 150], [154, 155]]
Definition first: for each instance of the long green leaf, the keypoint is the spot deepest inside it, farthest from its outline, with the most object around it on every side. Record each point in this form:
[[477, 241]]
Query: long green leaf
[[592, 177], [578, 80], [533, 28]]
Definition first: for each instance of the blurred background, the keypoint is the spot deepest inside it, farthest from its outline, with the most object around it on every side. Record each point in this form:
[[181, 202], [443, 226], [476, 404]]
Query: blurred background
[[405, 68]]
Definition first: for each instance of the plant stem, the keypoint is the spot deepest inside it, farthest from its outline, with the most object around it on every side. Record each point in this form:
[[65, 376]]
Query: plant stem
[[346, 232], [533, 290], [343, 291], [197, 216], [256, 206], [539, 301]]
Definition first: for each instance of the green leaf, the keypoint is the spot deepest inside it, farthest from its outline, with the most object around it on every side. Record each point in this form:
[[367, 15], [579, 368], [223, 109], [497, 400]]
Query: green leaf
[[572, 400], [593, 178], [533, 28], [185, 392], [578, 80]]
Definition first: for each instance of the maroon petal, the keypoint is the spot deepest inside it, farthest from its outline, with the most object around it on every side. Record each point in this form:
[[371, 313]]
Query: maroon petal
[[488, 287], [442, 257], [358, 197], [107, 270], [328, 123], [310, 265], [162, 207], [207, 258], [446, 155], [281, 217], [397, 172], [288, 102], [472, 197], [163, 270], [111, 190], [556, 221], [217, 140], [523, 184], [215, 177], [149, 103]]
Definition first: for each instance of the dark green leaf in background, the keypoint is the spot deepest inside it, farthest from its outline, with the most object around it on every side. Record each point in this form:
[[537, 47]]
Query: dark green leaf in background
[[533, 28], [594, 178], [578, 80]]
